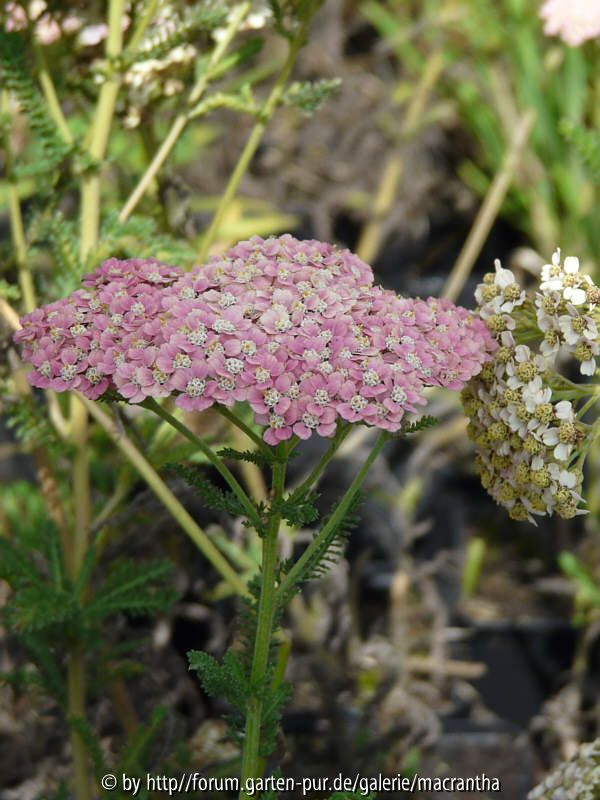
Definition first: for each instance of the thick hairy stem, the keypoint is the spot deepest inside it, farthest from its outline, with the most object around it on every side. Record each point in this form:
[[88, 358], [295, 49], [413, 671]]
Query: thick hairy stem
[[251, 761], [253, 142]]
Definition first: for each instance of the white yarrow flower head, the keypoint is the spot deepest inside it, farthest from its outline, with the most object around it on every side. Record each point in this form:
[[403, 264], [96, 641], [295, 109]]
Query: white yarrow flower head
[[578, 778], [530, 441]]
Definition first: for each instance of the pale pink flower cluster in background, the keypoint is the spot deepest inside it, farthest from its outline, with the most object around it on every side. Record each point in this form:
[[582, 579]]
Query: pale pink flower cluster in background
[[575, 21], [295, 328], [47, 28]]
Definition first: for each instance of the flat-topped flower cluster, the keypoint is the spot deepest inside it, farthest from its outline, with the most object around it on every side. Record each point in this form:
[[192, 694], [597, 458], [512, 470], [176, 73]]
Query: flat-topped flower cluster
[[525, 418], [295, 328]]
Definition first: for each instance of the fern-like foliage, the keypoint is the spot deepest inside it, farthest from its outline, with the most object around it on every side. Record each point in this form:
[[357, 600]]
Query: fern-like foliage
[[40, 607], [15, 76], [421, 424], [227, 680], [139, 237], [261, 458], [213, 497], [309, 96], [586, 143], [298, 511], [31, 426], [133, 588], [329, 549], [46, 610], [192, 21], [231, 678]]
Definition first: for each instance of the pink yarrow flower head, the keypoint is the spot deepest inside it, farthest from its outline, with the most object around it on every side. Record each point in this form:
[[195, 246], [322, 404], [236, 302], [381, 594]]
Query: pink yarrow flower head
[[575, 21], [295, 328]]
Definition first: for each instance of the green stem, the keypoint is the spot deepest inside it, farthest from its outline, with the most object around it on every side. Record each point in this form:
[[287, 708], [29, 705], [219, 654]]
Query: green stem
[[168, 499], [214, 459], [89, 231], [253, 141], [595, 398], [315, 474], [251, 761], [181, 120], [239, 423], [76, 706], [16, 222], [99, 133], [50, 95], [145, 20], [295, 574]]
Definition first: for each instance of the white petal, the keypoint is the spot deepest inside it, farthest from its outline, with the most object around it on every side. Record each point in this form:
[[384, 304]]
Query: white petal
[[550, 437], [564, 409], [576, 296], [562, 452], [588, 367], [522, 352], [571, 265]]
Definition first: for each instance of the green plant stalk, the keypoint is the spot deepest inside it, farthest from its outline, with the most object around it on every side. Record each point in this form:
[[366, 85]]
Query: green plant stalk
[[182, 119], [89, 231], [16, 223], [145, 20], [76, 708], [50, 95], [295, 573], [75, 665], [164, 494], [239, 423], [315, 474], [253, 141], [251, 761], [97, 139], [214, 459]]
